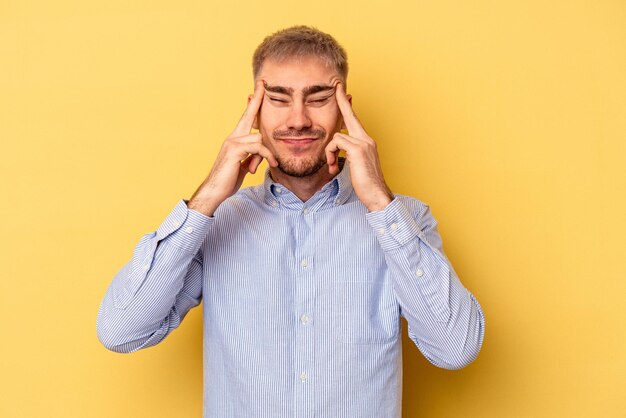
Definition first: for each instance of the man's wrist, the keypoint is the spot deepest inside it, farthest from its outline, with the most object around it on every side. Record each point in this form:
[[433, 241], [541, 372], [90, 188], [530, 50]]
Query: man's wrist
[[203, 206], [381, 202]]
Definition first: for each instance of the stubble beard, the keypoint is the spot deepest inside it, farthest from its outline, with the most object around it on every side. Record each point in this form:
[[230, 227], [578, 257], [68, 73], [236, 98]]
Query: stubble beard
[[300, 167]]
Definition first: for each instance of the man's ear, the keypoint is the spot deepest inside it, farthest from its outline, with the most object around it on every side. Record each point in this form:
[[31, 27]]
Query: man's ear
[[255, 124], [343, 124]]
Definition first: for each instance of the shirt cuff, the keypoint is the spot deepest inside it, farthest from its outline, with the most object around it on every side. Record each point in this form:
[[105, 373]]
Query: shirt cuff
[[394, 226], [185, 228]]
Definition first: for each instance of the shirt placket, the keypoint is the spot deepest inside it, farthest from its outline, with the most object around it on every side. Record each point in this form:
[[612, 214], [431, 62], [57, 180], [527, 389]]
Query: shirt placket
[[304, 315]]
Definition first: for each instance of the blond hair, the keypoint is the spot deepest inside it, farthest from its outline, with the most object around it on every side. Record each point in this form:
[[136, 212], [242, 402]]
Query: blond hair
[[298, 42]]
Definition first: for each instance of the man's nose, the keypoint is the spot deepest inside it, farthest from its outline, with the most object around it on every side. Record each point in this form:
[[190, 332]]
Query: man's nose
[[298, 117]]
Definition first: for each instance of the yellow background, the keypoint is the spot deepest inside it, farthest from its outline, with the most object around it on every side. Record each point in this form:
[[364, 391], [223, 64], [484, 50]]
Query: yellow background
[[508, 118]]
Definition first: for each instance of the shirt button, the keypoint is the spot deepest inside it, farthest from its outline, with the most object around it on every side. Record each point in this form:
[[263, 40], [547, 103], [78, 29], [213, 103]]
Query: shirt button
[[419, 273], [394, 227], [176, 224], [304, 263], [279, 190], [189, 230], [381, 231], [145, 267], [304, 319], [274, 203], [303, 376], [305, 211]]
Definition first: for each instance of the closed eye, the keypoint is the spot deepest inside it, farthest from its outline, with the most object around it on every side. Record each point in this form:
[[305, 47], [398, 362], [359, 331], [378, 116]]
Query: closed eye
[[319, 101], [277, 100]]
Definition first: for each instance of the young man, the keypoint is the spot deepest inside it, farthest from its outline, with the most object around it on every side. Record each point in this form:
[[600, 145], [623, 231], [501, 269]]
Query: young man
[[305, 277]]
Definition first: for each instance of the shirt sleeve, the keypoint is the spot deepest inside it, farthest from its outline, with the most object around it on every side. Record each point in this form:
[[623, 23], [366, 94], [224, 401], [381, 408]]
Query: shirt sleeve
[[153, 292], [445, 320]]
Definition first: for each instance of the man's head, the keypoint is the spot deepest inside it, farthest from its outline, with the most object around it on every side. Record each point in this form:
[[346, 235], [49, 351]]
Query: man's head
[[301, 68]]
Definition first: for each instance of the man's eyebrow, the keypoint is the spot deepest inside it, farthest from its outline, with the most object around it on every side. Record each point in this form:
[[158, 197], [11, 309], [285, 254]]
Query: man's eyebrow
[[307, 91], [279, 89]]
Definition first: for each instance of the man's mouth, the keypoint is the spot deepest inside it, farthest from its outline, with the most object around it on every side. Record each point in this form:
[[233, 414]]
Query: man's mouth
[[298, 137], [298, 140]]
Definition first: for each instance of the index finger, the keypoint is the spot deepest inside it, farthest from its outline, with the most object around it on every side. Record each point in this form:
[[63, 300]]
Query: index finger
[[247, 119], [349, 118]]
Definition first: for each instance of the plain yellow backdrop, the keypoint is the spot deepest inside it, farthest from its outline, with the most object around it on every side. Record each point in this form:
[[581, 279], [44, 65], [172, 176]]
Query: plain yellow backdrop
[[508, 118]]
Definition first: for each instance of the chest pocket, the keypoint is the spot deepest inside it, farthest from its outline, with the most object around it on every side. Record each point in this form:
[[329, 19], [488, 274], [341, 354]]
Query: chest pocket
[[365, 312]]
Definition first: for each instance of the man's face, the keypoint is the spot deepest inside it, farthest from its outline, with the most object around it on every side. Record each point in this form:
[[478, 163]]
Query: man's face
[[299, 114]]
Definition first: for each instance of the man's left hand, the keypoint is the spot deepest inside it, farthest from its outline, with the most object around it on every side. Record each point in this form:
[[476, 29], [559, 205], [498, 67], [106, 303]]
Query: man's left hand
[[362, 157]]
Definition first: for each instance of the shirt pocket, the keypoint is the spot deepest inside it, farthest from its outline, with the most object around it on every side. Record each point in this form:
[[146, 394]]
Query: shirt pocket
[[365, 312]]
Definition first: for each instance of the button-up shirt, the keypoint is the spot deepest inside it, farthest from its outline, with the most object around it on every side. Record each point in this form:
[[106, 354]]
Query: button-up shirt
[[302, 300]]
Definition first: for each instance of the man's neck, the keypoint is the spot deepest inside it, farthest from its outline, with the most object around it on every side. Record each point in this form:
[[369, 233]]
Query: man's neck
[[303, 187]]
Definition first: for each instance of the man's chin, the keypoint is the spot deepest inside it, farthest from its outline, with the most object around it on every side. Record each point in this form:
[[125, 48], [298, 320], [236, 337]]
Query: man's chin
[[300, 169]]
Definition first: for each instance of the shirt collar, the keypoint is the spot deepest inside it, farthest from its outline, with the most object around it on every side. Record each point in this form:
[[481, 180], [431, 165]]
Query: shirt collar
[[334, 193]]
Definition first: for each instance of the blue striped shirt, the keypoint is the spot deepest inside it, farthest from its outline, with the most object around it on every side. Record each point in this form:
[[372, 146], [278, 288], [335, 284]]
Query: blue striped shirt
[[302, 301]]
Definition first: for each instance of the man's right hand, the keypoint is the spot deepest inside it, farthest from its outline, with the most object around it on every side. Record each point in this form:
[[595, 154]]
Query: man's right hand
[[241, 153]]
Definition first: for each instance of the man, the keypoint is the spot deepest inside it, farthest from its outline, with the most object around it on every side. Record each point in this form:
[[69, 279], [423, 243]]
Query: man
[[305, 277]]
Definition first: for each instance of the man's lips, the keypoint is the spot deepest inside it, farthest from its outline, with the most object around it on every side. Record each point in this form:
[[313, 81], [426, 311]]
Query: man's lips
[[298, 140]]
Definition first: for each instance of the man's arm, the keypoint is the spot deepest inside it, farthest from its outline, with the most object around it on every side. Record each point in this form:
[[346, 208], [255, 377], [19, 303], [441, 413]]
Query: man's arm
[[151, 295], [445, 320]]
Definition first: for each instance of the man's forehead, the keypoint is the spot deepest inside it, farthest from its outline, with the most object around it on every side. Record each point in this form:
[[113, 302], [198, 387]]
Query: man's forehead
[[304, 74]]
